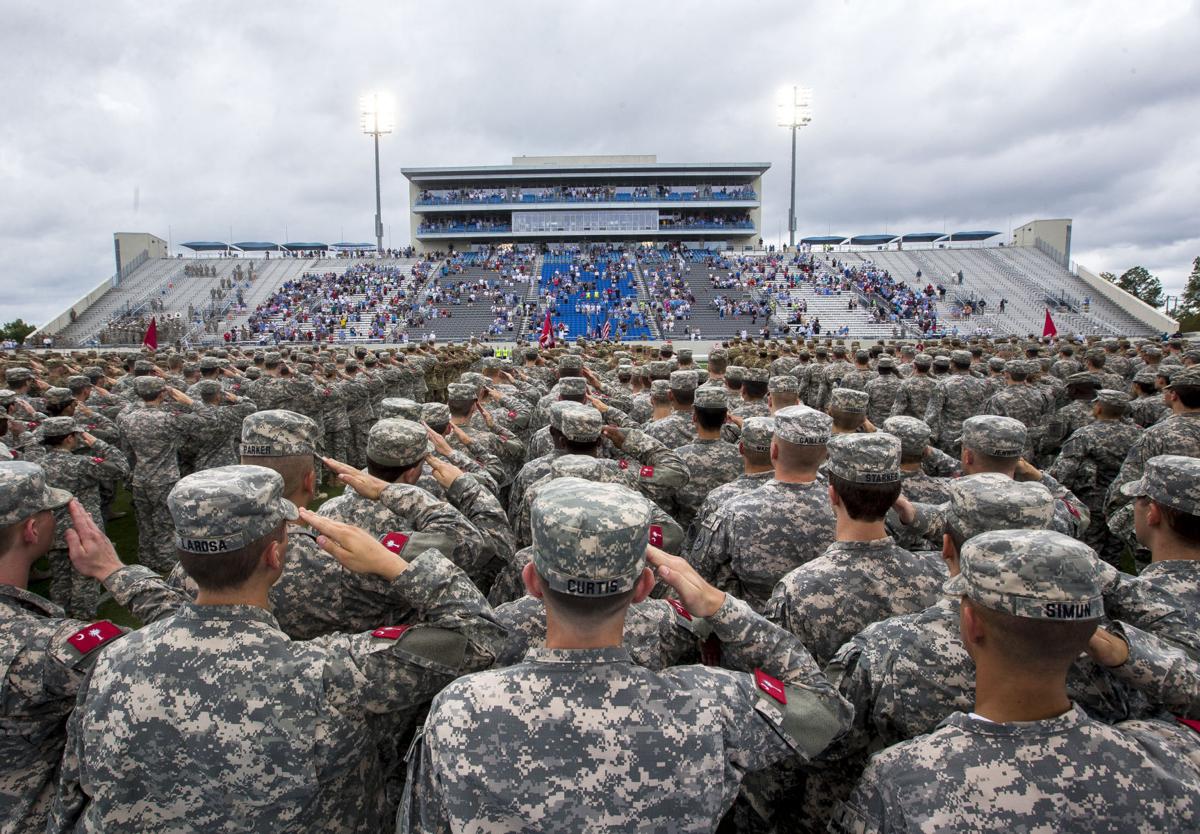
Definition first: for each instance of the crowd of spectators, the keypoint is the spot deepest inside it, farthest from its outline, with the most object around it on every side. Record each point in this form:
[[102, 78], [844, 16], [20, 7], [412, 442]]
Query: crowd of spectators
[[583, 194], [473, 223]]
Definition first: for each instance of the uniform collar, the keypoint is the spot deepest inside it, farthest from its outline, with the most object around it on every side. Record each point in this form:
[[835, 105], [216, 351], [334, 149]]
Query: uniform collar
[[1069, 720], [1169, 567], [886, 543], [13, 597], [229, 613], [581, 657]]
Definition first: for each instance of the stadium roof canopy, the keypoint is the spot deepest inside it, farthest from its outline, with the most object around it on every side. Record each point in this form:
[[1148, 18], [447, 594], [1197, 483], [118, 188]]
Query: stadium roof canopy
[[960, 236], [352, 245], [867, 240], [206, 246], [300, 247], [820, 239], [921, 237], [257, 246]]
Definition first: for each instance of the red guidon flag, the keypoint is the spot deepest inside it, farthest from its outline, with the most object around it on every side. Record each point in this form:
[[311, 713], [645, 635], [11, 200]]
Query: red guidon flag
[[150, 340], [1048, 329], [546, 340]]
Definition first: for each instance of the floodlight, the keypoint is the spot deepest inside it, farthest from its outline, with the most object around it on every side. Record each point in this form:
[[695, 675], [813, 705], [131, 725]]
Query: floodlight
[[378, 113]]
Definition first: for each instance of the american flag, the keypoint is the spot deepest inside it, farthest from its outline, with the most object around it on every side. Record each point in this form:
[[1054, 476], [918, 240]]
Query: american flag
[[606, 330]]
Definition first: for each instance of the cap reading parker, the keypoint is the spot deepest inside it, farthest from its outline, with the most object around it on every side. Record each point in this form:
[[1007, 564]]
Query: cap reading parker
[[223, 509], [589, 539], [278, 433]]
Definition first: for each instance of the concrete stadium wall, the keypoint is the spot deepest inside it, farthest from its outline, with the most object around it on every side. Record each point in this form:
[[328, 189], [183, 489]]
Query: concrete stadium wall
[[1134, 306], [64, 318]]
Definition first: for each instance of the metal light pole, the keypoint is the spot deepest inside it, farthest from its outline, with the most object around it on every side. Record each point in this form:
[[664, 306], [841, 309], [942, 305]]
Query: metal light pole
[[795, 111], [378, 117]]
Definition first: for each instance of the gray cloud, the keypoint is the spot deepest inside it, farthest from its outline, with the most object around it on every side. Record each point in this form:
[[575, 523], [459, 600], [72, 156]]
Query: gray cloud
[[225, 115]]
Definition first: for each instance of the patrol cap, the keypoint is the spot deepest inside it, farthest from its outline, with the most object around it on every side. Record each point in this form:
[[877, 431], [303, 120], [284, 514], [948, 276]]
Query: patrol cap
[[755, 375], [1189, 377], [210, 363], [143, 366], [23, 492], [994, 501], [1036, 574], [461, 391], [922, 360], [941, 362], [1082, 378], [801, 425], [476, 379], [709, 396], [1170, 480], [914, 434], [207, 388], [400, 407], [435, 414], [57, 427], [58, 396], [684, 380], [865, 458], [960, 357], [272, 358], [885, 361], [999, 437], [78, 383], [149, 386], [1145, 377], [278, 433], [684, 354], [849, 400], [758, 431], [996, 363], [253, 373], [589, 539], [659, 369], [1112, 398], [220, 510], [659, 389], [572, 386], [734, 373], [580, 423], [783, 384], [570, 362], [397, 442]]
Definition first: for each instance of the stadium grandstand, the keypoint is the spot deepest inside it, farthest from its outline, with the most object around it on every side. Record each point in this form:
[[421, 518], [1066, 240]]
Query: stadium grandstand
[[862, 286]]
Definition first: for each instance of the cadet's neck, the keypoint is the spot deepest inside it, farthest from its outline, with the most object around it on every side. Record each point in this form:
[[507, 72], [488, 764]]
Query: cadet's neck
[[749, 468], [256, 596], [1004, 694], [911, 467], [1166, 548], [708, 434], [797, 476], [850, 530], [560, 635], [14, 568]]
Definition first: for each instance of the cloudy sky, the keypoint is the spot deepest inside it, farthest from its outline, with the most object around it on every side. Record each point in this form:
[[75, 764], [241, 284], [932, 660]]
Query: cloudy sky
[[201, 120]]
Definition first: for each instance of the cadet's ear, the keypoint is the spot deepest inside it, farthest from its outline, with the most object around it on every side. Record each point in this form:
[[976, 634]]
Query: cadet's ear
[[310, 481], [272, 555], [533, 582], [644, 585], [950, 553], [1154, 516], [970, 626]]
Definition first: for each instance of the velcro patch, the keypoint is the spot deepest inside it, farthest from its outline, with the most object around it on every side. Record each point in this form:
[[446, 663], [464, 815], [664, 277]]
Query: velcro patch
[[656, 535], [88, 639], [1071, 509], [772, 686], [646, 471], [512, 415], [624, 464], [97, 460], [390, 632], [394, 542], [679, 609]]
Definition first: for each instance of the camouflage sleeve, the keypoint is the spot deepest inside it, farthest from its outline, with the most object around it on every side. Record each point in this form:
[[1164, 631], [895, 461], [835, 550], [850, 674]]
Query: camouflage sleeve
[[1162, 672], [519, 411], [111, 462], [1131, 469], [395, 668], [616, 417], [430, 515], [929, 521], [1069, 468], [475, 468], [786, 705], [899, 402], [851, 676], [868, 810], [662, 470], [483, 510], [1138, 603], [490, 467], [933, 411], [937, 464], [69, 800], [1070, 513], [144, 594], [710, 554]]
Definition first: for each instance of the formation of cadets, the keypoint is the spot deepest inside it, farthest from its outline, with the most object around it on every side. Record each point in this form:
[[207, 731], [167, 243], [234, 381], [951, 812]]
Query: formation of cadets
[[948, 586]]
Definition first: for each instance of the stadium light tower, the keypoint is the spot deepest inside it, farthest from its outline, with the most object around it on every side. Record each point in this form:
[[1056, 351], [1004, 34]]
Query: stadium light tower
[[795, 111], [378, 113]]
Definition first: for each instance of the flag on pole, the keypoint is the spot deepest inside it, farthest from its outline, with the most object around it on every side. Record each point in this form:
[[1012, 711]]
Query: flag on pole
[[606, 330], [546, 340], [150, 340], [1048, 329]]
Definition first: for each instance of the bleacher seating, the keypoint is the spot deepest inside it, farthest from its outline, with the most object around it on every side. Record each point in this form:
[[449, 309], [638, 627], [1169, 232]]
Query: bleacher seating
[[570, 285]]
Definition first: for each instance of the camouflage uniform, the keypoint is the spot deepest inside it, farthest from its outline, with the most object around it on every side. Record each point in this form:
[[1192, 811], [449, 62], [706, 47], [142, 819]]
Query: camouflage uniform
[[300, 726], [81, 475], [675, 766], [955, 398], [711, 464], [217, 449], [882, 390], [973, 774], [45, 660], [753, 541]]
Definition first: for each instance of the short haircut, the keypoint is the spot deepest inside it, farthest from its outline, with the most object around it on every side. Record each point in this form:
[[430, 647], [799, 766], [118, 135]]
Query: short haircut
[[1182, 524], [566, 372], [1145, 387], [847, 420], [710, 419], [916, 458], [755, 457], [1017, 376], [391, 474], [991, 463], [683, 397], [149, 397], [1189, 395], [9, 535], [1037, 645], [1112, 412], [865, 502], [754, 389], [583, 611], [57, 440], [460, 408], [292, 468], [574, 447], [962, 366], [232, 569], [782, 399], [717, 364], [795, 456]]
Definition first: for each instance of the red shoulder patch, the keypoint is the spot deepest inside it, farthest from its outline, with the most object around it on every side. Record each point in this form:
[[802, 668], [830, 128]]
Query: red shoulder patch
[[512, 415], [390, 632], [1070, 508], [646, 471], [679, 609], [97, 460], [394, 542], [771, 686], [92, 637], [656, 535], [624, 464]]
